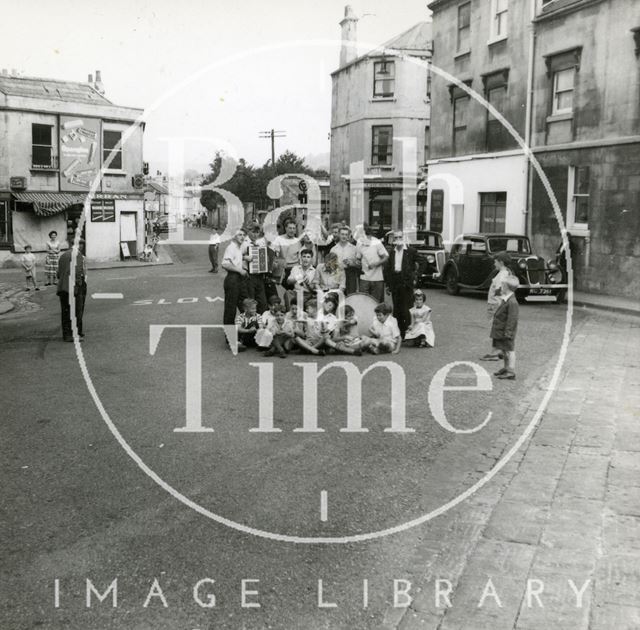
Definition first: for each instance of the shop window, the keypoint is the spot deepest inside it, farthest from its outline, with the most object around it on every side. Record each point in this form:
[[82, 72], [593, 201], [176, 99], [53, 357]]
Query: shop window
[[493, 212], [5, 223], [384, 79], [578, 201], [464, 27], [499, 17], [382, 145], [111, 145], [41, 146]]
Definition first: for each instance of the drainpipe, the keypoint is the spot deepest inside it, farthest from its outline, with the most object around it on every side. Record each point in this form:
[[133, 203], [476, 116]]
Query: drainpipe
[[529, 117]]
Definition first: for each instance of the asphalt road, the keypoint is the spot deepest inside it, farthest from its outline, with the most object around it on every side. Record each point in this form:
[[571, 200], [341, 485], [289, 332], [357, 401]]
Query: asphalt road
[[77, 506]]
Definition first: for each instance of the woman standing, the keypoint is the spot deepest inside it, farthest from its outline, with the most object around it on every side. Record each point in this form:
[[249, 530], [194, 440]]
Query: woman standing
[[51, 261]]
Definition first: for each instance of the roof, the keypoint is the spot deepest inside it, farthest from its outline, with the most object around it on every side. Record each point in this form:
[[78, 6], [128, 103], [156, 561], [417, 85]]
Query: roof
[[416, 40], [492, 235], [51, 89], [151, 185]]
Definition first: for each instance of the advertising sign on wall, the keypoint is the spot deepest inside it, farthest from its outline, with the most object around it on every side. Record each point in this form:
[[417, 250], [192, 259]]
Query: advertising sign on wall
[[79, 152]]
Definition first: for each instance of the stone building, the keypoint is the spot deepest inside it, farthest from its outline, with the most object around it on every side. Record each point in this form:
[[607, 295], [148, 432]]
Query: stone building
[[55, 138], [379, 122], [566, 75]]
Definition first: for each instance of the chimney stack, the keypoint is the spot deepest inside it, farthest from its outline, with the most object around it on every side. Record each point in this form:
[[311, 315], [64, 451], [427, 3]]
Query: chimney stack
[[98, 84], [349, 37], [90, 79]]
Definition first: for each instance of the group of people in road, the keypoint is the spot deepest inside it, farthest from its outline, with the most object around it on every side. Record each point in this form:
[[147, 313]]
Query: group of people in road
[[337, 266], [57, 269]]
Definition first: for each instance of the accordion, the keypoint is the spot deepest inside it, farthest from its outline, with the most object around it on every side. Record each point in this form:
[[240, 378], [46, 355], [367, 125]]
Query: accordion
[[259, 260]]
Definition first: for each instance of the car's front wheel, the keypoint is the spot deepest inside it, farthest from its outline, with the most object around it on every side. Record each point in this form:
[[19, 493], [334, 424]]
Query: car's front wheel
[[451, 282]]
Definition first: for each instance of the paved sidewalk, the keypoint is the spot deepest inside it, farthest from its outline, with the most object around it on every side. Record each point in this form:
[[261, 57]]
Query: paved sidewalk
[[566, 507], [606, 302]]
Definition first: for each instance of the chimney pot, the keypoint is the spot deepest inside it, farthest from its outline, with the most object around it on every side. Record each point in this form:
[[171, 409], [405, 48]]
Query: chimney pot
[[99, 86], [348, 24], [90, 79]]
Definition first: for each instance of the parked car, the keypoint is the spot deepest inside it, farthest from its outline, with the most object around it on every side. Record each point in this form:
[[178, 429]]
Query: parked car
[[431, 255], [470, 265]]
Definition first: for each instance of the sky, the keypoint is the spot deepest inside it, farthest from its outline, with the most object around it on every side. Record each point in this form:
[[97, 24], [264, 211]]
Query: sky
[[207, 71]]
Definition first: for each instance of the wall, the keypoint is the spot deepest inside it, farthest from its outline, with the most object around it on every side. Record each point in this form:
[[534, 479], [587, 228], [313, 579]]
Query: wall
[[483, 58], [103, 239], [608, 261], [29, 229], [489, 174]]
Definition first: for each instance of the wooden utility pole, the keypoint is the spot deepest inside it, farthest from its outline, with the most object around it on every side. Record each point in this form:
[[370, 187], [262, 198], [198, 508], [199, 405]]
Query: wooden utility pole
[[273, 134]]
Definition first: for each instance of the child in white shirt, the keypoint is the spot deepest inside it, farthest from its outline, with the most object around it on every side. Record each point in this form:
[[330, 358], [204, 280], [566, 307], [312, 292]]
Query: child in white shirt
[[384, 332], [28, 261]]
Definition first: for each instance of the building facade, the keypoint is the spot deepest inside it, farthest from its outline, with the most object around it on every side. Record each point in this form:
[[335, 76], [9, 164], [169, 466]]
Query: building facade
[[565, 74], [55, 138], [586, 137], [379, 118], [477, 171]]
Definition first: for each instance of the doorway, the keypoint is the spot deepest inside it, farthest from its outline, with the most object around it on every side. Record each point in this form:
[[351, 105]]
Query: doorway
[[128, 234]]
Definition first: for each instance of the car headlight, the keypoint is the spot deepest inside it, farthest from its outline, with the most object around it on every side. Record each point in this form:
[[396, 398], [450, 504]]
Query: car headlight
[[431, 258], [552, 265], [522, 264]]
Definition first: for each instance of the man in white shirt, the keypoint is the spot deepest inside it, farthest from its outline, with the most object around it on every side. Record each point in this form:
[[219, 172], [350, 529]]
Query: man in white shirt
[[287, 246], [347, 259], [372, 256], [235, 282]]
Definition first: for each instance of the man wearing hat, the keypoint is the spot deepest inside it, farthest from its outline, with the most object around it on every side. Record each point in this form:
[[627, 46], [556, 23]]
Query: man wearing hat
[[77, 286]]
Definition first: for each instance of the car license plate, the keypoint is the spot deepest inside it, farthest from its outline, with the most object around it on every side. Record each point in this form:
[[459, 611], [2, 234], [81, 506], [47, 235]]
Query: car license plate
[[539, 291]]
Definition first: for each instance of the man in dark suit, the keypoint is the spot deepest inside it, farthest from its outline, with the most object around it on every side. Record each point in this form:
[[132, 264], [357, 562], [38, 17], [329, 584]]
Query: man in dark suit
[[67, 285], [400, 278]]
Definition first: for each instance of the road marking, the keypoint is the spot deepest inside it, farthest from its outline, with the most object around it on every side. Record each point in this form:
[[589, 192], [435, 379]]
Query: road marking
[[107, 296], [323, 506]]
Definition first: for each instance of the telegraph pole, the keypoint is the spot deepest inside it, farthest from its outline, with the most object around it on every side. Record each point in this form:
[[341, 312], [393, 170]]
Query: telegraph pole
[[273, 134]]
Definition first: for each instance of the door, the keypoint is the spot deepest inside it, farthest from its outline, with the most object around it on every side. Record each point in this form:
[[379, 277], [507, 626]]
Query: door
[[129, 231], [380, 212]]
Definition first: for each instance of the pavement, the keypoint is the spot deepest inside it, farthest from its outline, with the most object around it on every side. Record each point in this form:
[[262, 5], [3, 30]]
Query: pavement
[[563, 506]]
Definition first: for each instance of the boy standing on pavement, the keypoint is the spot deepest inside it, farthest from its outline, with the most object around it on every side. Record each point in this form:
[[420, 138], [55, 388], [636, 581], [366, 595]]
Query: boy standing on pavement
[[235, 282], [372, 255], [214, 243], [505, 325]]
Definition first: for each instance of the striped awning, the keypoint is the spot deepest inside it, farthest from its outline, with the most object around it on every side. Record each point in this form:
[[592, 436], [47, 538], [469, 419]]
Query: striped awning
[[46, 204]]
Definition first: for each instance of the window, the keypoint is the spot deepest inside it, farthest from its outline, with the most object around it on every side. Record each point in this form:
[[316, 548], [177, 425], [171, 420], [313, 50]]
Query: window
[[495, 91], [493, 212], [384, 79], [110, 140], [499, 17], [426, 145], [464, 27], [460, 107], [563, 84], [428, 95], [437, 210], [41, 146], [5, 223], [578, 202], [382, 145]]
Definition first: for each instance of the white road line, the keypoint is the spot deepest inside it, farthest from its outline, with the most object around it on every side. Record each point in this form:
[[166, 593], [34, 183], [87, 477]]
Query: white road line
[[323, 506], [107, 296]]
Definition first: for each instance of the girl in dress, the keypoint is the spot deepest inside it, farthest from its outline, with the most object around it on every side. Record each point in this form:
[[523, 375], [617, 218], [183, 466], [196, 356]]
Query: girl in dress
[[51, 261], [421, 328]]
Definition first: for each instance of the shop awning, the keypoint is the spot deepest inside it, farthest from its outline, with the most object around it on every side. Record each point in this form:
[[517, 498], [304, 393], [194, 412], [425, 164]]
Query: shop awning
[[46, 204]]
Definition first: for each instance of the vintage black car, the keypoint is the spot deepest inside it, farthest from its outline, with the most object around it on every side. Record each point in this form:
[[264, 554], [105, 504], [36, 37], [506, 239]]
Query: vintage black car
[[431, 255], [470, 265]]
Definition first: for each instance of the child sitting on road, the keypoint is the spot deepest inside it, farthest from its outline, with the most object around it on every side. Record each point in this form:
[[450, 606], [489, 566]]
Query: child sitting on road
[[248, 323], [311, 334], [384, 332], [345, 338], [421, 328], [269, 316], [505, 326], [28, 261], [282, 330]]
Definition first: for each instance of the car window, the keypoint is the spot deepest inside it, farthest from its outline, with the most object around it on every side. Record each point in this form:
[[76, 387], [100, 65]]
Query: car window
[[514, 245], [433, 240], [477, 248]]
